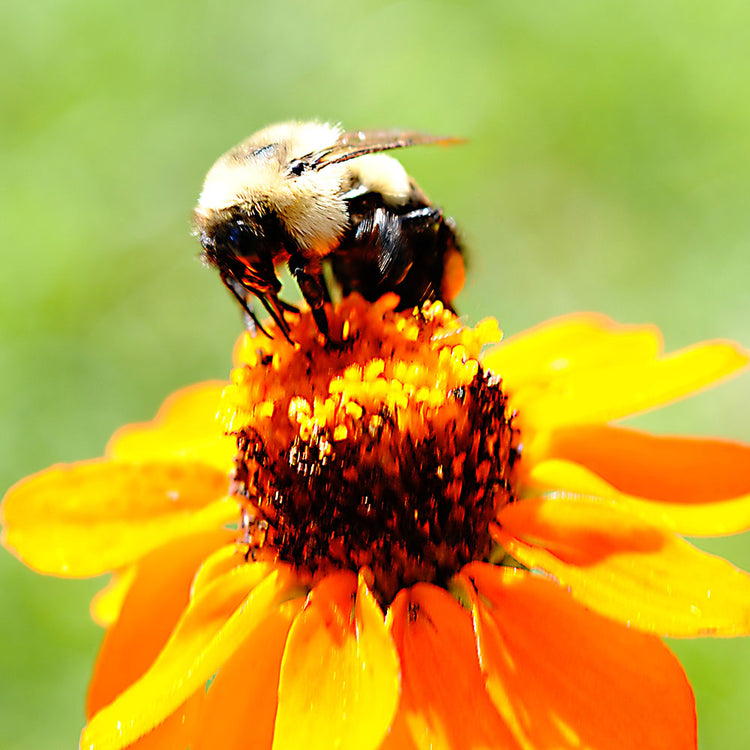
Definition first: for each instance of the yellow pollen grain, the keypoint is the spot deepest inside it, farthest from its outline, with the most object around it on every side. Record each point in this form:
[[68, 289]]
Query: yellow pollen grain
[[436, 308], [265, 409], [345, 390], [417, 375], [340, 432], [381, 388], [373, 369], [472, 368], [354, 410], [459, 353], [345, 330], [401, 371], [423, 394], [344, 385], [411, 333], [299, 409], [436, 399]]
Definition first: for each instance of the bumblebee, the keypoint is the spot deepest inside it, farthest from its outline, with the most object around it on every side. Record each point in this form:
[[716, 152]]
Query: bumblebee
[[310, 194]]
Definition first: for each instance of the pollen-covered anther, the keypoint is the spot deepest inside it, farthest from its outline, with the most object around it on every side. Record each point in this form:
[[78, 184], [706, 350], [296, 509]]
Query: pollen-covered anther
[[392, 451]]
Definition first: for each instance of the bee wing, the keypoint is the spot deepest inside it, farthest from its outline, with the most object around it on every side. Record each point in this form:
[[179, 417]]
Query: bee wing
[[356, 143]]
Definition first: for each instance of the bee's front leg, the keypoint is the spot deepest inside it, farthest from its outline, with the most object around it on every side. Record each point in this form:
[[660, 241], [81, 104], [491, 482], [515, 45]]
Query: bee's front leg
[[242, 296], [313, 290]]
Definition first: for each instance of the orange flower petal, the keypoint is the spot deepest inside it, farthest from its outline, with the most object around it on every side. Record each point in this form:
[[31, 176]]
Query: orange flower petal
[[675, 469], [157, 597], [444, 702], [92, 517], [213, 627], [627, 568], [603, 394], [240, 706], [186, 426], [572, 342], [399, 737], [339, 675], [565, 678], [692, 519]]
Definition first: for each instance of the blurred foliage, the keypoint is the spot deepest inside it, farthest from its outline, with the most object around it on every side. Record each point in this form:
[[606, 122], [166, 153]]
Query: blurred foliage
[[608, 168]]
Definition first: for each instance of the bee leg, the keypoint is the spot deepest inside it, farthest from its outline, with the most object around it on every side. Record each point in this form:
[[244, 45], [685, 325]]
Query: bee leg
[[321, 320], [314, 291], [240, 294]]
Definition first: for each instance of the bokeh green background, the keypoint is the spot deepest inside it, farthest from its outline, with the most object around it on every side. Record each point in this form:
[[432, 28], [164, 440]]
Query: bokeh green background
[[608, 168]]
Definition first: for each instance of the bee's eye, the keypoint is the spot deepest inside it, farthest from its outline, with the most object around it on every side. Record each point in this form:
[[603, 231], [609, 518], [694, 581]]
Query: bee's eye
[[240, 239], [233, 237], [243, 241]]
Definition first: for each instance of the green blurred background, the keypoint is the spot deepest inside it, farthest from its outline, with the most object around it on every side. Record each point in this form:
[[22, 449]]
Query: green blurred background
[[608, 168]]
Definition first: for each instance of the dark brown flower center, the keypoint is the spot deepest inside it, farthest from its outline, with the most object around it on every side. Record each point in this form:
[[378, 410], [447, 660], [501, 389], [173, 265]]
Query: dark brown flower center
[[397, 463]]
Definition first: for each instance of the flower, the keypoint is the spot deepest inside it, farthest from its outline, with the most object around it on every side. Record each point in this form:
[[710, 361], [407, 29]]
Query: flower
[[396, 542]]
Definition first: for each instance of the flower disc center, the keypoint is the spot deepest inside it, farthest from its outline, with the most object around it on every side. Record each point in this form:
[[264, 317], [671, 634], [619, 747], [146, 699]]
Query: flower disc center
[[397, 462]]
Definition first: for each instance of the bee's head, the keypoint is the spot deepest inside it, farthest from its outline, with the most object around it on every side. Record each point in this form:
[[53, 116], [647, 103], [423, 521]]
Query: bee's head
[[243, 247], [244, 250]]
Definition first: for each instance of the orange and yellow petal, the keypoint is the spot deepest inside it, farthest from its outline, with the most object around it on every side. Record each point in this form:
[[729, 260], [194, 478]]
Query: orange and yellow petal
[[564, 678], [185, 427], [444, 704], [222, 562], [572, 342], [339, 682], [398, 736], [178, 730], [91, 517], [613, 391], [626, 567], [156, 598], [714, 518], [682, 470], [106, 604], [215, 624], [240, 706]]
